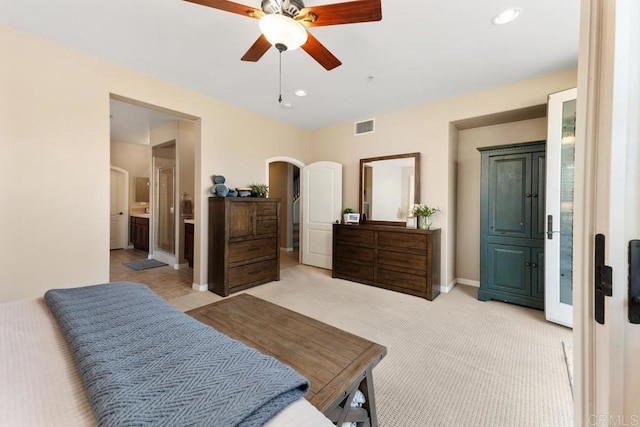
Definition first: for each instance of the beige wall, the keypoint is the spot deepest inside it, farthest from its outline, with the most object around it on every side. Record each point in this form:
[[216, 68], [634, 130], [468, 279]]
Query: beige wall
[[427, 129], [54, 167], [55, 155], [467, 254]]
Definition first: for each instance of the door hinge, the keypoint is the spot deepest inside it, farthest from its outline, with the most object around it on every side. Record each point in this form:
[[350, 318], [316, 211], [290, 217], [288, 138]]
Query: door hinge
[[634, 281], [603, 279]]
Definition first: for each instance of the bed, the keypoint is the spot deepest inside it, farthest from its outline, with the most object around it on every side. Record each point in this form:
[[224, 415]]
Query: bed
[[40, 383]]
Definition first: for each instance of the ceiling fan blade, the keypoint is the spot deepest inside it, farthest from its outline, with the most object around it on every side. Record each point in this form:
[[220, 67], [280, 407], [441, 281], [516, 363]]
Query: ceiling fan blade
[[229, 6], [259, 48], [341, 13], [320, 53]]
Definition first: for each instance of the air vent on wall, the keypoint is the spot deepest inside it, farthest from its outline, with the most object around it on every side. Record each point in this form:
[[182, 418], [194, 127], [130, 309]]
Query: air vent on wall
[[366, 126]]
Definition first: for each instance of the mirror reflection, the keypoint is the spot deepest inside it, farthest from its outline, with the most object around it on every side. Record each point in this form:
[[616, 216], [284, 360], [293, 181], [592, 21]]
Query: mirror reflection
[[389, 187]]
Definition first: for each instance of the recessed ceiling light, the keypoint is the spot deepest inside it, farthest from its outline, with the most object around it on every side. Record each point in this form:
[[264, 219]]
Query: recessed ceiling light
[[287, 105], [300, 92], [506, 16]]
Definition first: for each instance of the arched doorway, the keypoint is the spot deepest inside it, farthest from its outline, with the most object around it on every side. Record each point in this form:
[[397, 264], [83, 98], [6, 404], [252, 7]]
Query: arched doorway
[[283, 178]]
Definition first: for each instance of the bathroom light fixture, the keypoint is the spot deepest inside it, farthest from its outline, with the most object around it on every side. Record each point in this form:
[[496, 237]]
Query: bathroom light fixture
[[283, 32], [300, 92], [506, 16]]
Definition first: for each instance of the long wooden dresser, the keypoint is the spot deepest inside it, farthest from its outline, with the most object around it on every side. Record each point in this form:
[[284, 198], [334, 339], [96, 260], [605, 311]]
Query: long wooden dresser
[[396, 258], [244, 242]]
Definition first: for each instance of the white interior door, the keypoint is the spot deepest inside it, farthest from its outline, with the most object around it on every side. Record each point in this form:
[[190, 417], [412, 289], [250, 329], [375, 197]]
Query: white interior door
[[321, 207], [118, 208], [560, 165]]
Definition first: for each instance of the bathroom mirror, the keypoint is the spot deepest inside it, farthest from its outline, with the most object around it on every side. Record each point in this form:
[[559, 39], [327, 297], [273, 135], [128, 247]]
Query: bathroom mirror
[[142, 189], [389, 187]]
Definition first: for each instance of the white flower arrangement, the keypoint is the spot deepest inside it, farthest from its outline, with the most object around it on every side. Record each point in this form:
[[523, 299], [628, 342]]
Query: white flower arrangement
[[422, 210]]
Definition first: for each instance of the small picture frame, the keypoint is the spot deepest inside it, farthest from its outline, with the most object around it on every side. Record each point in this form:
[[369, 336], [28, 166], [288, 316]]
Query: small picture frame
[[352, 218], [412, 222]]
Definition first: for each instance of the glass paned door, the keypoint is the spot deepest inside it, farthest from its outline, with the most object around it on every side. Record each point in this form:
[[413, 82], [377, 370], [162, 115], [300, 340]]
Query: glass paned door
[[560, 189]]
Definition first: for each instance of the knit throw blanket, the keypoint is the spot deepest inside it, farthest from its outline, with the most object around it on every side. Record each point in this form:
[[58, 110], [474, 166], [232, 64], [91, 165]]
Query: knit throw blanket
[[143, 362]]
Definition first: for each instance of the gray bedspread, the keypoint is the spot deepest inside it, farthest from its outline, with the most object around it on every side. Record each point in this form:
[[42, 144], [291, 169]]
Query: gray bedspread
[[143, 362]]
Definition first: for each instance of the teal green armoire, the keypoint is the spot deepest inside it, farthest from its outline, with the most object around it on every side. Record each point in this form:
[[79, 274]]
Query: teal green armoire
[[512, 227]]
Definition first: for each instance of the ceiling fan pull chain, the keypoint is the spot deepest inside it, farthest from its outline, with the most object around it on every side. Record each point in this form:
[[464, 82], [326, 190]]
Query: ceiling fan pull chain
[[280, 75]]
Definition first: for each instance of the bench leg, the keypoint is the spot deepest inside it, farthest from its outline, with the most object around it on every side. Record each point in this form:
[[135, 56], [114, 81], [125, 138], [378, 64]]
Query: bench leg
[[366, 387]]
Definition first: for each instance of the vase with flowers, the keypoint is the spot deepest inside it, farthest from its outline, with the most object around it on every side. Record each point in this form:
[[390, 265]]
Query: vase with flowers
[[424, 212]]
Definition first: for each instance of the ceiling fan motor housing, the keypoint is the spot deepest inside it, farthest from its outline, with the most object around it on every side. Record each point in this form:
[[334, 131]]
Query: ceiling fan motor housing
[[290, 8]]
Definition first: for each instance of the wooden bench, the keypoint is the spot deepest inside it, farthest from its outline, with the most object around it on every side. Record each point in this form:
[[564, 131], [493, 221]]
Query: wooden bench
[[335, 362]]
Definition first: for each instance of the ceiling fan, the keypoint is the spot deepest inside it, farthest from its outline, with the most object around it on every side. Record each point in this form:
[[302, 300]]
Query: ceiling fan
[[283, 22]]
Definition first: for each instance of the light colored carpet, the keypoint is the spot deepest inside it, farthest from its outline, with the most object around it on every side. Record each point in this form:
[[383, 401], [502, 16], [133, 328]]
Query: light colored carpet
[[455, 361]]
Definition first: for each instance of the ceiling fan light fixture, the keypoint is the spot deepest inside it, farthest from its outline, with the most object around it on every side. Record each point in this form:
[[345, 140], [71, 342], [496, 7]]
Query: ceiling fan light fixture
[[282, 30], [506, 16]]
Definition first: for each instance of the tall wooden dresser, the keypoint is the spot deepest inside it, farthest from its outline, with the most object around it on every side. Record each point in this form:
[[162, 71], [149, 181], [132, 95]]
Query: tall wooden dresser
[[244, 242], [396, 258], [512, 224]]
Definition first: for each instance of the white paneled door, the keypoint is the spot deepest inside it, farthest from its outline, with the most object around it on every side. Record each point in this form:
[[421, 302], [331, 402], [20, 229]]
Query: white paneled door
[[321, 207], [118, 209]]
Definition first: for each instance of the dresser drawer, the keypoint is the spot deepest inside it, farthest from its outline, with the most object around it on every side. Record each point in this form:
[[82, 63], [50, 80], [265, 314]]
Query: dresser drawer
[[354, 253], [353, 234], [263, 271], [266, 226], [402, 240], [402, 280], [267, 209], [252, 249], [362, 272], [402, 259]]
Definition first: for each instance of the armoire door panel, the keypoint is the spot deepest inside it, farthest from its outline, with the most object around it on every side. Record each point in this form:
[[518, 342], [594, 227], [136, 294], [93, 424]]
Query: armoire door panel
[[537, 272], [508, 270], [510, 195]]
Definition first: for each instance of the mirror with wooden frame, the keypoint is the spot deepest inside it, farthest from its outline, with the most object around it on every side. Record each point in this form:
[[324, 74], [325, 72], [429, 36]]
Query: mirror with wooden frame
[[389, 187]]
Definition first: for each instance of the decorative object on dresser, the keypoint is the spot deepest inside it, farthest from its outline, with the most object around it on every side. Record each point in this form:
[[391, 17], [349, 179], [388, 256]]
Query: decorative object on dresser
[[259, 190], [396, 258], [244, 242], [345, 213], [512, 214], [423, 213]]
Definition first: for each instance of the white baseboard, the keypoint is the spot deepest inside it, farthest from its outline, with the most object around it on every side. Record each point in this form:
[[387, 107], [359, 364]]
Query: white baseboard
[[448, 288], [197, 287], [445, 289], [468, 282]]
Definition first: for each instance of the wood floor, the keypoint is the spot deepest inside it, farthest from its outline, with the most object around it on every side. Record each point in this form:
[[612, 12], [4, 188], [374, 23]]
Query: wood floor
[[168, 283]]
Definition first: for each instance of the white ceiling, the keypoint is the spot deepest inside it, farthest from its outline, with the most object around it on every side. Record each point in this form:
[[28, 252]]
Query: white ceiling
[[421, 51]]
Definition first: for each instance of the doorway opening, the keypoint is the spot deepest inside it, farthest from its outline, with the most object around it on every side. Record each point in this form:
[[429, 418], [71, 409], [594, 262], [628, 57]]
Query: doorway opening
[[283, 179], [156, 147]]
